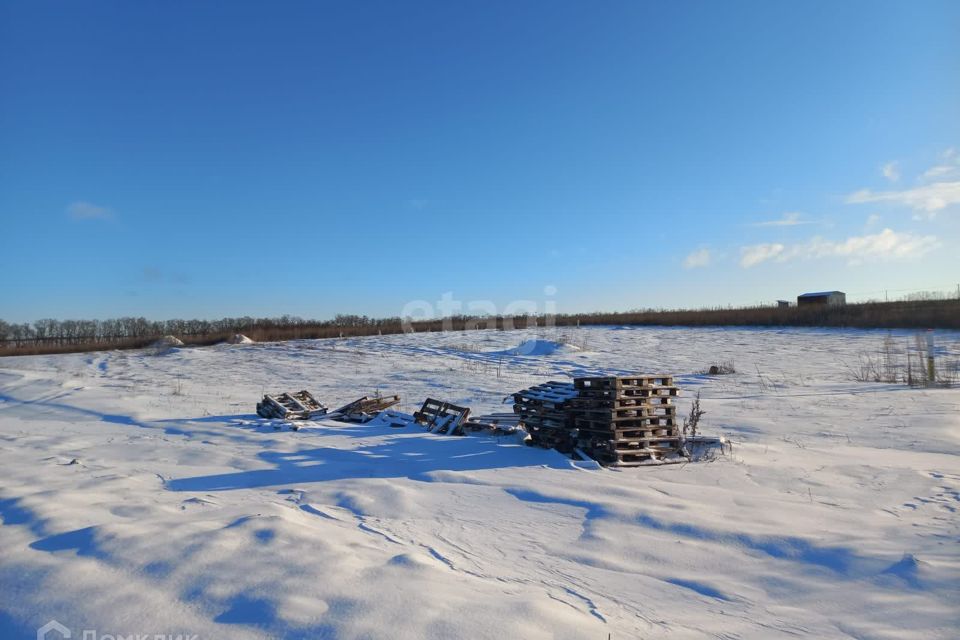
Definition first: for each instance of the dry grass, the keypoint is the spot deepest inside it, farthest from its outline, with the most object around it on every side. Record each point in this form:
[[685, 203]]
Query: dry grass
[[720, 369], [939, 314], [913, 364], [925, 314]]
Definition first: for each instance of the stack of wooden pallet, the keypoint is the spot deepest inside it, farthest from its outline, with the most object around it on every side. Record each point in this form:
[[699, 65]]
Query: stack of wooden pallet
[[626, 421], [545, 413]]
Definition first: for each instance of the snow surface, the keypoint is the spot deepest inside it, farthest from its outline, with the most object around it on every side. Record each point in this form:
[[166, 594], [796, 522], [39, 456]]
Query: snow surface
[[142, 495]]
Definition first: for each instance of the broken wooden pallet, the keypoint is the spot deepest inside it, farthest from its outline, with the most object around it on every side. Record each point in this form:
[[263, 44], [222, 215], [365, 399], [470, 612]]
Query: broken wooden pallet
[[365, 408], [496, 424], [442, 417], [290, 406]]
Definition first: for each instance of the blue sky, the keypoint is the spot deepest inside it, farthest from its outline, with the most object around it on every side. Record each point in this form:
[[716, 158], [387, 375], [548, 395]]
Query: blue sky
[[184, 159]]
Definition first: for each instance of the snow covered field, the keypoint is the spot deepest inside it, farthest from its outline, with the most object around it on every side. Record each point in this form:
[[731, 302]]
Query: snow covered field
[[140, 495]]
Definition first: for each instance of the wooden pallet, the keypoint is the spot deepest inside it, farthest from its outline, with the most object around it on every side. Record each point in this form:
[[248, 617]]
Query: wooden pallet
[[534, 423], [290, 406], [633, 458], [549, 395], [495, 424], [618, 424], [621, 394], [552, 391], [365, 408], [626, 434], [632, 445], [622, 382], [559, 439], [543, 412], [442, 417], [502, 419], [635, 411], [612, 402], [617, 435]]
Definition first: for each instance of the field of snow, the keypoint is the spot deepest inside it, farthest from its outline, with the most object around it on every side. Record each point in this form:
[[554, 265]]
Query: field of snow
[[139, 494]]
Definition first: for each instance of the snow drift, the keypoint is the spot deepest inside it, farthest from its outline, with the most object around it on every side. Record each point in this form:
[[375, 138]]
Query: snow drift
[[166, 344], [538, 347]]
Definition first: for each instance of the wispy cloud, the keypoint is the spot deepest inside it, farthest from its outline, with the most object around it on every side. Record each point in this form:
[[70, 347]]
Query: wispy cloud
[[886, 245], [949, 166], [697, 259], [939, 188], [938, 171], [755, 254], [925, 199], [788, 219], [88, 211], [891, 171]]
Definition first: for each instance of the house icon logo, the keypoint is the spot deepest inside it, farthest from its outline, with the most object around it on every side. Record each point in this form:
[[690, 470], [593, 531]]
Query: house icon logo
[[46, 632]]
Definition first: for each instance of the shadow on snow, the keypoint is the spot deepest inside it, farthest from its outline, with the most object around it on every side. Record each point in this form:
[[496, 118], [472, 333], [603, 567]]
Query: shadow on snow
[[405, 454]]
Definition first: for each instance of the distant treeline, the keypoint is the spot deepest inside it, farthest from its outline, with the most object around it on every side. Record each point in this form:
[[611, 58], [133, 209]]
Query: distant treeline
[[906, 314], [56, 336]]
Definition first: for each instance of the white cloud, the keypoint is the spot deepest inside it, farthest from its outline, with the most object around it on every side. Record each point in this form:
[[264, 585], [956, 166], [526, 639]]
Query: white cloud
[[755, 254], [949, 165], [699, 258], [891, 171], [938, 171], [88, 211], [872, 219], [926, 199], [886, 245], [950, 155], [788, 219], [939, 188]]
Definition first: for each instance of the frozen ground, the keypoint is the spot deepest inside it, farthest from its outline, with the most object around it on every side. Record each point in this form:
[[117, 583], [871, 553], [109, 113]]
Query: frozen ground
[[140, 495]]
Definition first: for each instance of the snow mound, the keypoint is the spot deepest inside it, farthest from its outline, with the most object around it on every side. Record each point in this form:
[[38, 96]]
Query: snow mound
[[540, 347], [167, 342], [239, 338]]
